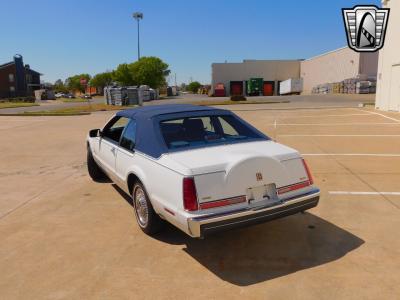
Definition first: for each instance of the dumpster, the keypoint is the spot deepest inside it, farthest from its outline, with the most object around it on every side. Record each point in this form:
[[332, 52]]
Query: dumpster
[[255, 86]]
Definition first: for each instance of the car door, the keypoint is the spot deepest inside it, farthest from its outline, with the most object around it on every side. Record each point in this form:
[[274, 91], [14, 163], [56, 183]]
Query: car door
[[108, 143], [125, 155]]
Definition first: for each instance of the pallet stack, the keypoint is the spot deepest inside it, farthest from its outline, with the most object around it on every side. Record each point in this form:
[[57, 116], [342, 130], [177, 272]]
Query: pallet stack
[[361, 84]]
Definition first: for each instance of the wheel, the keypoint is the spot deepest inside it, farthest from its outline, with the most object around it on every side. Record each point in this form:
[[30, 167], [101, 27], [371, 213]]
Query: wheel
[[93, 169], [148, 220]]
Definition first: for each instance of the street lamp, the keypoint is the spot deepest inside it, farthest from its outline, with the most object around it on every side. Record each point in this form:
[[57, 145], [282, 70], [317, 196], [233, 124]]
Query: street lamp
[[138, 16]]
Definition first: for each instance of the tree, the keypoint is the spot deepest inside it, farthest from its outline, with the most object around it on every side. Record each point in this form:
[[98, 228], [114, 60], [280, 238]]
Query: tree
[[74, 82], [150, 71], [123, 75], [193, 86], [101, 80], [59, 86]]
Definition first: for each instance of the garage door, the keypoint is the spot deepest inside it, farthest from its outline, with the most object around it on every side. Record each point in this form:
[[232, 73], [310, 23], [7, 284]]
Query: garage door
[[236, 88], [268, 88], [394, 100]]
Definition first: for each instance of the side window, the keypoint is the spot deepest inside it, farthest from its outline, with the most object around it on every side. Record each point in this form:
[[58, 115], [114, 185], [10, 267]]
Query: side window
[[227, 128], [114, 128], [128, 138]]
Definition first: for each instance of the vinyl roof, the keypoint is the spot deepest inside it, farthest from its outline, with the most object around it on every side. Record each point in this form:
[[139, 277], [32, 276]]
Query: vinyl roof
[[149, 139], [156, 110]]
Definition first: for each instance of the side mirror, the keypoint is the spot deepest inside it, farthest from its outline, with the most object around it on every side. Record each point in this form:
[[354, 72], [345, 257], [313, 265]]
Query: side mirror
[[94, 133]]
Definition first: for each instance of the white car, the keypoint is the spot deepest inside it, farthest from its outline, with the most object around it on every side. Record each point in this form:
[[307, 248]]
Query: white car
[[200, 168]]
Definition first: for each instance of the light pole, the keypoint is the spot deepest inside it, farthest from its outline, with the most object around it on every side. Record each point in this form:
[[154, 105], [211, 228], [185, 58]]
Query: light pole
[[138, 16]]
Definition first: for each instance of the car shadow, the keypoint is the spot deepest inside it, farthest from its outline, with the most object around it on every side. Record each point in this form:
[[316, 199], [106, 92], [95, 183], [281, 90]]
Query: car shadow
[[259, 253]]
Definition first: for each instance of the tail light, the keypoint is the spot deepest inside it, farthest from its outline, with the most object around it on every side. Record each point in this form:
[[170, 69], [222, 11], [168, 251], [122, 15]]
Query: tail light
[[189, 194], [310, 178]]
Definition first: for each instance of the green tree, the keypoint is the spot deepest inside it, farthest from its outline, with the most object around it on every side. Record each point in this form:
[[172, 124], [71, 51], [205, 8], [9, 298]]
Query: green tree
[[59, 86], [150, 71], [73, 83], [101, 80], [123, 75], [193, 86]]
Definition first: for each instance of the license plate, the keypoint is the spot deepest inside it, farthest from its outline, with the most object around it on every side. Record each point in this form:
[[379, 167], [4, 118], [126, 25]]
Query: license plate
[[264, 194]]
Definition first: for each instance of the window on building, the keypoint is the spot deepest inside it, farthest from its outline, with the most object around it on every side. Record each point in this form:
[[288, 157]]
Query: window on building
[[12, 89], [11, 77]]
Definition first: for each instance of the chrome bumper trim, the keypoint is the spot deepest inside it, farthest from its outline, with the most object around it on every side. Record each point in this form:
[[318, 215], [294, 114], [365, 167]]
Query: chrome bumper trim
[[253, 214]]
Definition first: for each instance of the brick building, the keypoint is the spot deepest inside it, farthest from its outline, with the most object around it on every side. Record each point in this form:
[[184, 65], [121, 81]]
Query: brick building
[[17, 79]]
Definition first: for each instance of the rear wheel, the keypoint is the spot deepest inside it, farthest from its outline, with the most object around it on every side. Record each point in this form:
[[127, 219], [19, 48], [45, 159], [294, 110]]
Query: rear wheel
[[93, 169], [148, 220]]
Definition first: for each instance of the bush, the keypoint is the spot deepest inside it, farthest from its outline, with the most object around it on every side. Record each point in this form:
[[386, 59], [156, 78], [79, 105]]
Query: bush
[[238, 98], [29, 99]]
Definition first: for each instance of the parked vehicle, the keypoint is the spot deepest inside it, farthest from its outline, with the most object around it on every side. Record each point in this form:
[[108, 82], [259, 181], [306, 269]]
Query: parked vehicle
[[291, 86], [59, 95], [69, 96], [86, 96], [200, 168]]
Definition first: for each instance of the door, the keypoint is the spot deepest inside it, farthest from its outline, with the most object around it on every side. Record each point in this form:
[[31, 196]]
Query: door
[[268, 88], [394, 100], [236, 88], [126, 152], [108, 143]]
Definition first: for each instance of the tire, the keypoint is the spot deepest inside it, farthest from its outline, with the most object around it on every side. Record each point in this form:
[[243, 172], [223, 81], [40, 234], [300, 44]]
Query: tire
[[94, 170], [146, 217]]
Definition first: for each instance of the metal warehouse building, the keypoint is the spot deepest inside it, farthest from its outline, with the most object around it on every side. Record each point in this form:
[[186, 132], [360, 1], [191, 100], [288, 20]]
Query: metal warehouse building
[[234, 75], [329, 67], [336, 66], [388, 86]]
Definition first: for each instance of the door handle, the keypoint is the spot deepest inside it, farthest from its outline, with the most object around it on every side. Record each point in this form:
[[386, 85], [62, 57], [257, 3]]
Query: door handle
[[113, 150]]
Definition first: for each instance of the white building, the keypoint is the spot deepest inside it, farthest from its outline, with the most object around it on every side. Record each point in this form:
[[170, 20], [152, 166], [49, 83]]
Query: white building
[[388, 85], [333, 66]]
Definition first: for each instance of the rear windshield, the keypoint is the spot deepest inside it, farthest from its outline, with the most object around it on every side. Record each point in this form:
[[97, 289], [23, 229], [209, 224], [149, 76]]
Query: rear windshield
[[204, 131]]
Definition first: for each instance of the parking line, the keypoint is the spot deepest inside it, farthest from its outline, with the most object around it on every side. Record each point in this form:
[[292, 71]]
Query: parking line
[[323, 116], [353, 154], [363, 193], [343, 135], [333, 124], [382, 115]]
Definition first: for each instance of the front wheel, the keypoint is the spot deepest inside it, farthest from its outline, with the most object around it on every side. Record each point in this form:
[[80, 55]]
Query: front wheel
[[148, 220], [94, 170]]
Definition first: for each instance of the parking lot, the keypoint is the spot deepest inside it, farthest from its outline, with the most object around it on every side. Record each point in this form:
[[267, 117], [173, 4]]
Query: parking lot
[[64, 236]]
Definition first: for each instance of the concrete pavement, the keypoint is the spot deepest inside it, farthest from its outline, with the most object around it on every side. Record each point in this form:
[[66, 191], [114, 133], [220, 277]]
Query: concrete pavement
[[64, 236]]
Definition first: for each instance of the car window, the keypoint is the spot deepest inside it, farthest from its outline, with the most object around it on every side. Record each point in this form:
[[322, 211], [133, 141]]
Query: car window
[[128, 138], [114, 128], [203, 131], [227, 128]]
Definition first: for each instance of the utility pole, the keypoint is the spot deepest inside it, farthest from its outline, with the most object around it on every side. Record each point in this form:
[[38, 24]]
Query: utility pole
[[138, 16]]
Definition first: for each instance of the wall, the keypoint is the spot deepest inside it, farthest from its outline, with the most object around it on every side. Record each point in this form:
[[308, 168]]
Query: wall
[[333, 66], [369, 63], [5, 82], [388, 85], [270, 70]]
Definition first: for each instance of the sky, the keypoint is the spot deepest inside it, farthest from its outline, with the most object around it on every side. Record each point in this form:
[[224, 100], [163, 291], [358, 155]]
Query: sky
[[63, 38]]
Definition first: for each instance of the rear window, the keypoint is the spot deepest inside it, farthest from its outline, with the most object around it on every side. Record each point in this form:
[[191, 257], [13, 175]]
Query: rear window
[[204, 131]]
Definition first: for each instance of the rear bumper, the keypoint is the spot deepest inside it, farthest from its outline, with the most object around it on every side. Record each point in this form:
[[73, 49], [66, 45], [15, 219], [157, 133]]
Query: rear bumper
[[201, 226]]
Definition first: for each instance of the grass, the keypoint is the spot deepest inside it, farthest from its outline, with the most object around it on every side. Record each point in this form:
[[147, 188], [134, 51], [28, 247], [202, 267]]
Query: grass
[[72, 111], [16, 104], [73, 100]]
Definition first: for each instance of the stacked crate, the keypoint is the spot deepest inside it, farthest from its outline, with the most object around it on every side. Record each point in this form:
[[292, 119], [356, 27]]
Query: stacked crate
[[366, 87], [357, 85]]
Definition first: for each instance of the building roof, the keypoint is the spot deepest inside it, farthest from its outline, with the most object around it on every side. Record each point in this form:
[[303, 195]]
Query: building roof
[[6, 64], [13, 62]]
